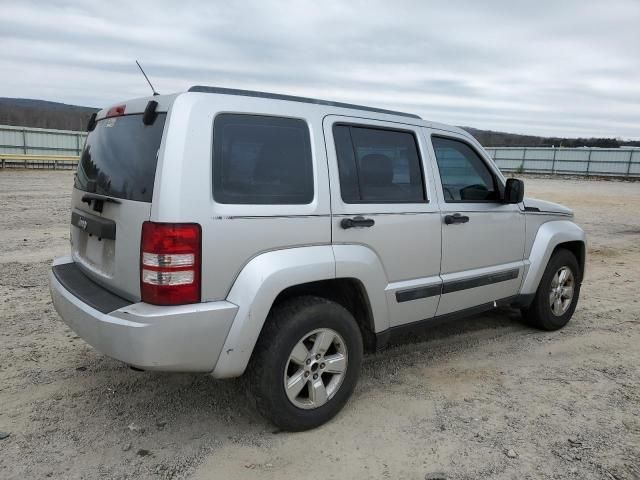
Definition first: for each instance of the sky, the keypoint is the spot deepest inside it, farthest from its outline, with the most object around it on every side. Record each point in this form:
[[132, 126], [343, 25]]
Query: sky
[[562, 68]]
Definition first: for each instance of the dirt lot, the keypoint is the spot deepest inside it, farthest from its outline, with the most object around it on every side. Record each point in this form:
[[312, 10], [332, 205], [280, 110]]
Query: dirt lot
[[484, 398]]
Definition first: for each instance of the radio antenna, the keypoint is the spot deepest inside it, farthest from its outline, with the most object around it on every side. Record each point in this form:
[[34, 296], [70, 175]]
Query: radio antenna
[[147, 78]]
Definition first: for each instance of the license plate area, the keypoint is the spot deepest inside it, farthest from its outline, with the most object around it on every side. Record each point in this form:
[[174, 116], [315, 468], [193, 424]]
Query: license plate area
[[93, 240], [102, 228]]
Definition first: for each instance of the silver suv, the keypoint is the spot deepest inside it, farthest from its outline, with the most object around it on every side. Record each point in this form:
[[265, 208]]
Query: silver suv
[[224, 231]]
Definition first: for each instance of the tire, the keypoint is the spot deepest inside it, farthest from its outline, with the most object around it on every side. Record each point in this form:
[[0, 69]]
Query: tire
[[278, 358], [546, 311]]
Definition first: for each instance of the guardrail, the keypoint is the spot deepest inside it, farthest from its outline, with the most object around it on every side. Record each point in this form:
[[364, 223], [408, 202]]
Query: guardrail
[[51, 162]]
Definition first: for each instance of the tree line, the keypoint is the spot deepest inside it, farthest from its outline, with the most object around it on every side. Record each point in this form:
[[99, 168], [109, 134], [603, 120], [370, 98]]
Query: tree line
[[489, 138], [29, 113]]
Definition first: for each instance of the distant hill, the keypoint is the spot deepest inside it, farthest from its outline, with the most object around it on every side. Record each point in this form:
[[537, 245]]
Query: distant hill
[[489, 138], [25, 112]]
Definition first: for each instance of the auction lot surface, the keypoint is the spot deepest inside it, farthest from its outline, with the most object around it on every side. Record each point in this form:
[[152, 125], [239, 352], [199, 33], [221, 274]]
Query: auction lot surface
[[483, 398]]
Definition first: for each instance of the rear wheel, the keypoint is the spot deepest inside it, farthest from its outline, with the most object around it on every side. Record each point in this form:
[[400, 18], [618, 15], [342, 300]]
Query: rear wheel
[[306, 363], [557, 294]]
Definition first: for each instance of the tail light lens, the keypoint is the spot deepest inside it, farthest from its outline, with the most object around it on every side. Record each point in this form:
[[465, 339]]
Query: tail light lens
[[170, 259]]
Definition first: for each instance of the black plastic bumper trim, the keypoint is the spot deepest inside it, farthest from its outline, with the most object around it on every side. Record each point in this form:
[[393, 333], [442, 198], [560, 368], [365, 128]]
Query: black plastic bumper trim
[[79, 285]]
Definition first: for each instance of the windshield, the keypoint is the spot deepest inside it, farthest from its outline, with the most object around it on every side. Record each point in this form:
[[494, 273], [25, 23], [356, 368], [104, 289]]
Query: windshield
[[120, 157]]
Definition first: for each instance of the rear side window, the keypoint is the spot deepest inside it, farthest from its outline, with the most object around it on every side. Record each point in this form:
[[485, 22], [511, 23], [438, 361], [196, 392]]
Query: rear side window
[[261, 160], [378, 165], [120, 156], [465, 176]]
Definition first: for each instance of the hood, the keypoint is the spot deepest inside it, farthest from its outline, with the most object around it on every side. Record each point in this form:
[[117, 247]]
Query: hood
[[546, 207]]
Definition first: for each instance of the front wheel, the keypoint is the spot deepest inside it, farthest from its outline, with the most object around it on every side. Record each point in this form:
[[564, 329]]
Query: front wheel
[[557, 294], [306, 363]]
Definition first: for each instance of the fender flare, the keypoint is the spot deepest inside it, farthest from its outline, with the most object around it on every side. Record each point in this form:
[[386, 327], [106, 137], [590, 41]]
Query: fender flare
[[362, 263], [549, 236], [265, 276]]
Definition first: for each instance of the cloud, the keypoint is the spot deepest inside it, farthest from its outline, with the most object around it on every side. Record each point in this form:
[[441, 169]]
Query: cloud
[[552, 68]]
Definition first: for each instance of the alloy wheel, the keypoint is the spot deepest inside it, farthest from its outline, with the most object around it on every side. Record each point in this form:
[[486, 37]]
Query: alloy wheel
[[316, 368], [561, 291]]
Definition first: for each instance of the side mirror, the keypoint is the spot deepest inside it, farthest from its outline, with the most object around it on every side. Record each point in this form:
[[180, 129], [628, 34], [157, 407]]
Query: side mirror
[[513, 191]]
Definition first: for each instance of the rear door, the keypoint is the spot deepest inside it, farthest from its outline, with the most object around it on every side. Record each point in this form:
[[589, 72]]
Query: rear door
[[482, 238], [381, 198], [111, 199]]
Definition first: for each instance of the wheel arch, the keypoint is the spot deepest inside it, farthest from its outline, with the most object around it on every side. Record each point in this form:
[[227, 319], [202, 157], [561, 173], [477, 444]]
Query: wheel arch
[[347, 292], [578, 249], [550, 237], [277, 275]]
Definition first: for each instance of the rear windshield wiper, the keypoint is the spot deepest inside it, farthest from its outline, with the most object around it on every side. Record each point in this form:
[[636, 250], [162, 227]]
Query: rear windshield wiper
[[87, 197]]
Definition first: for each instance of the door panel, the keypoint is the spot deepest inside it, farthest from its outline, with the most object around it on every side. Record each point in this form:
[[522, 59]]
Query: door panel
[[402, 241], [406, 237], [493, 283], [483, 247], [492, 236]]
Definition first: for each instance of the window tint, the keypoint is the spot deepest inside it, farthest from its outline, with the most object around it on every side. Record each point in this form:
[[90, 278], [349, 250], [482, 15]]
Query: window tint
[[120, 156], [261, 160], [378, 165], [464, 175]]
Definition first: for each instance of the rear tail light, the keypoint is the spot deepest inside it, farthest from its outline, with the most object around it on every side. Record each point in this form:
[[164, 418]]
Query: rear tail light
[[170, 258]]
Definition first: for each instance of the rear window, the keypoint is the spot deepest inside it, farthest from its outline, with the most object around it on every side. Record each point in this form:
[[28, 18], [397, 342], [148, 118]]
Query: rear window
[[261, 160], [120, 158]]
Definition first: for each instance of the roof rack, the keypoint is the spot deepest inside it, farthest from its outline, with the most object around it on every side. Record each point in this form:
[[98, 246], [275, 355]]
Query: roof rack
[[292, 98]]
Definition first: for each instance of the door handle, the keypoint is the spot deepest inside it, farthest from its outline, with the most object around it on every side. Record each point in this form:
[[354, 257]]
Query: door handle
[[357, 222], [455, 218]]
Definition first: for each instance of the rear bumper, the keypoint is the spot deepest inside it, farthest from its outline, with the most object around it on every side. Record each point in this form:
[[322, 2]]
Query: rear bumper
[[186, 338]]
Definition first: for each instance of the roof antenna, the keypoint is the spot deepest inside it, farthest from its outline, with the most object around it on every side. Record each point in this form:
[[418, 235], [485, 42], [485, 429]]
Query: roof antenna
[[147, 78]]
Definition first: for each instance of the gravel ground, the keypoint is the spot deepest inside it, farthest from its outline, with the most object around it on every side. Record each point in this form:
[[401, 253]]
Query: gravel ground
[[482, 398]]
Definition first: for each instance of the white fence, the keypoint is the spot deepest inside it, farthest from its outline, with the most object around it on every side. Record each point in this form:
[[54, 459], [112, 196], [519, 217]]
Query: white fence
[[34, 144], [614, 162], [40, 141]]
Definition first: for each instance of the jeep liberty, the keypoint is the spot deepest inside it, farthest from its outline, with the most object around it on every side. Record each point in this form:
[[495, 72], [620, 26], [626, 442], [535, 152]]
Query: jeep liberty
[[226, 231]]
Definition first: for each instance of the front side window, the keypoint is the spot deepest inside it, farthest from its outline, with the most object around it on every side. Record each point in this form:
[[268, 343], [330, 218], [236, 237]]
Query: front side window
[[261, 160], [465, 176], [378, 165]]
